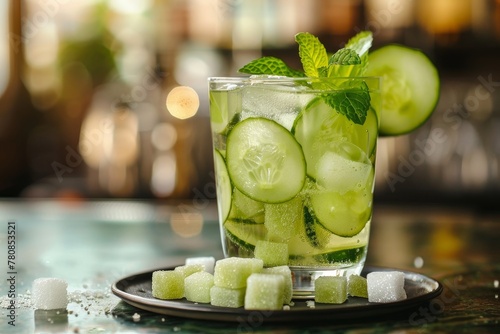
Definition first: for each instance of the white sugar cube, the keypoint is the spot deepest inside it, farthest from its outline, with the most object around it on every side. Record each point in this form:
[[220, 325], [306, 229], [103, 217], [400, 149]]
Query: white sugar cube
[[49, 293], [386, 286], [207, 261]]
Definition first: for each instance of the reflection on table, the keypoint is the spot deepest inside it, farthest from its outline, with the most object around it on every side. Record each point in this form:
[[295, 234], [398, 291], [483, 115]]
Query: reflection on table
[[93, 244]]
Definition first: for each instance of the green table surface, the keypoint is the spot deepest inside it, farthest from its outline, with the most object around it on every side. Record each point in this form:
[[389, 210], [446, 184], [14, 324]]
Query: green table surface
[[92, 244]]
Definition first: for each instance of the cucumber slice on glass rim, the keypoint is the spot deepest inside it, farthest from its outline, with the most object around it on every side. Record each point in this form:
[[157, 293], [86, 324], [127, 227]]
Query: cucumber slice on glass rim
[[410, 87]]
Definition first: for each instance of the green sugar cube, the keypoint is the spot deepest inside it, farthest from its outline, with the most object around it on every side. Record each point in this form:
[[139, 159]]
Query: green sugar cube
[[283, 219], [272, 253], [232, 273], [167, 284], [189, 269], [197, 287], [264, 292], [227, 297], [287, 275], [331, 289], [357, 287]]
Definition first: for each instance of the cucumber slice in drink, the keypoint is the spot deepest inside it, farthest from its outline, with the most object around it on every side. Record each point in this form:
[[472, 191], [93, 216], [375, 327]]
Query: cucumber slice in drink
[[318, 126], [264, 161], [311, 237], [343, 214], [410, 87], [315, 233], [223, 186], [246, 208], [225, 105], [245, 234]]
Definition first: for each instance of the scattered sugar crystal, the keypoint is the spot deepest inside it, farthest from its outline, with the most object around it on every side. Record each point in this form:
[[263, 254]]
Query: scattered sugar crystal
[[286, 307], [495, 283], [386, 286], [357, 286], [136, 317], [227, 297], [233, 272], [167, 284], [310, 303], [197, 287], [330, 289], [272, 253], [264, 292], [49, 293], [189, 269], [287, 275], [208, 262]]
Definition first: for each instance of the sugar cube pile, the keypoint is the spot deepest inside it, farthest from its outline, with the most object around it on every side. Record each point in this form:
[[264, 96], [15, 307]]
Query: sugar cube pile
[[49, 293], [385, 286], [263, 284]]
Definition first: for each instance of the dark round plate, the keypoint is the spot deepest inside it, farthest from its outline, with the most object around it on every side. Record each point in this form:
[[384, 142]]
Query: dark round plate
[[136, 291]]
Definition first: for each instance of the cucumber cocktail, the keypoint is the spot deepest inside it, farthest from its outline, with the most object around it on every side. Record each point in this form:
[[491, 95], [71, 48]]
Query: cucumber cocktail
[[294, 156]]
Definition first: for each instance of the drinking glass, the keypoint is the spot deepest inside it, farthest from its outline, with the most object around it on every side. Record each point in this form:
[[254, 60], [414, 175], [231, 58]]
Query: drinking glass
[[294, 163]]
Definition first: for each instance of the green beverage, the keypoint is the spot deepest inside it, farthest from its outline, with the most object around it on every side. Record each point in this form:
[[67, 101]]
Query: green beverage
[[294, 156], [294, 176]]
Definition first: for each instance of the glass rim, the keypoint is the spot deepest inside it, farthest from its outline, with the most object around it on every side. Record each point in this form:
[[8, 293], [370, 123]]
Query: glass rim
[[278, 79]]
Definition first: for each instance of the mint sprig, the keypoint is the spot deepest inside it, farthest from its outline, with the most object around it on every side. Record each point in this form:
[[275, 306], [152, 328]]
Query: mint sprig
[[350, 98]]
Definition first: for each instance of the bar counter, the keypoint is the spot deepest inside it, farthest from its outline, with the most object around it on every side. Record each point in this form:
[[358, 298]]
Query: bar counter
[[92, 244]]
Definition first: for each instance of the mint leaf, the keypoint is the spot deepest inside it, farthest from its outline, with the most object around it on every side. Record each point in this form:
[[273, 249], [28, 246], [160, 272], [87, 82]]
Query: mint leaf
[[345, 57], [344, 63], [351, 100], [312, 54], [270, 66]]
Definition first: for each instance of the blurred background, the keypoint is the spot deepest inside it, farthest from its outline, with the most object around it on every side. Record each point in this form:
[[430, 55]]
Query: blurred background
[[83, 85]]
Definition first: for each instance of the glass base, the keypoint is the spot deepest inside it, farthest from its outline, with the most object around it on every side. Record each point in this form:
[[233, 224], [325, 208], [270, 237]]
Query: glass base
[[303, 277]]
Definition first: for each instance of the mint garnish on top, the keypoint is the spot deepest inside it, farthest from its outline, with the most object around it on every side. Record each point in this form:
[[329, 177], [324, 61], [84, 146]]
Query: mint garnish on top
[[351, 98]]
